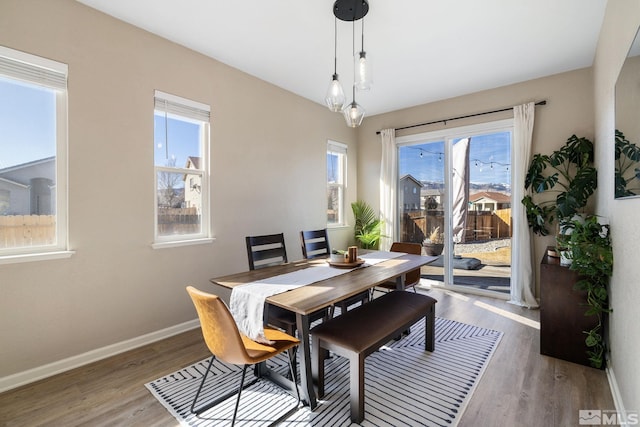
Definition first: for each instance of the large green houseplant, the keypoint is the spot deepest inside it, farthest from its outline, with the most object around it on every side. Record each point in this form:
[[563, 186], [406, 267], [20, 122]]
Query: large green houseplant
[[627, 167], [590, 250], [561, 184], [368, 225]]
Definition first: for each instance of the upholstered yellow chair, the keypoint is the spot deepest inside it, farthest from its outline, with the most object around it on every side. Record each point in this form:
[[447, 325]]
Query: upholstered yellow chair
[[227, 344]]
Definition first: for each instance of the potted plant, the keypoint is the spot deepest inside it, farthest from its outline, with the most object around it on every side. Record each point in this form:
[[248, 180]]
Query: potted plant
[[368, 225], [568, 176], [564, 235], [338, 255], [592, 257], [434, 244]]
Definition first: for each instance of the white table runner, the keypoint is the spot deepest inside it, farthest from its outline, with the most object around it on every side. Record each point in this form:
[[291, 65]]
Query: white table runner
[[247, 301]]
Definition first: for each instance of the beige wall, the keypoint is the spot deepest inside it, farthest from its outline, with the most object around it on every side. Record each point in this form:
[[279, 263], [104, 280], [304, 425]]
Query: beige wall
[[268, 175], [569, 110], [621, 22]]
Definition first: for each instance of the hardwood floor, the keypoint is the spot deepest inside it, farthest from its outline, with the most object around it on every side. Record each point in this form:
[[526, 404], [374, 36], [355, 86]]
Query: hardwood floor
[[519, 387]]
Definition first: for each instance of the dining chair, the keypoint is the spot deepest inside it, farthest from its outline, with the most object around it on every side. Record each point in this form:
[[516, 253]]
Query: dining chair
[[412, 278], [228, 345], [315, 244], [267, 250]]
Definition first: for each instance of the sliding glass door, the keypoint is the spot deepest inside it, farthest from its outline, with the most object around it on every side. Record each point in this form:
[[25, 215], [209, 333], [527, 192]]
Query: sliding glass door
[[454, 196]]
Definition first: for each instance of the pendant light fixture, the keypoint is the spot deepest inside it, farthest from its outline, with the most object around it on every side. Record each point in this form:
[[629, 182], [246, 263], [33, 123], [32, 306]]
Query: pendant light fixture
[[350, 11], [353, 113], [335, 95], [363, 67]]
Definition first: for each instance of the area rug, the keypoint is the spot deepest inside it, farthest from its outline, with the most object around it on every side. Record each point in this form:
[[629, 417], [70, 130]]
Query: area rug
[[404, 385]]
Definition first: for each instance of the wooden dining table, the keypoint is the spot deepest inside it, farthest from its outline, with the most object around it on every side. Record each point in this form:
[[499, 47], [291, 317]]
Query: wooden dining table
[[305, 300]]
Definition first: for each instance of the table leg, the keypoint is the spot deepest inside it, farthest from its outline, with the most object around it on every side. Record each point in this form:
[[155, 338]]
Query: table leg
[[260, 369], [306, 379], [400, 281]]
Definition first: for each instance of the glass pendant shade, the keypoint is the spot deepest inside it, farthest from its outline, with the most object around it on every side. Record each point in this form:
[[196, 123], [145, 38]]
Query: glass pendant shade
[[335, 98], [363, 72], [353, 114]]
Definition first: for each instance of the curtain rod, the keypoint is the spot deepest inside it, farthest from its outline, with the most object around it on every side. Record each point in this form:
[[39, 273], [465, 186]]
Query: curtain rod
[[461, 117]]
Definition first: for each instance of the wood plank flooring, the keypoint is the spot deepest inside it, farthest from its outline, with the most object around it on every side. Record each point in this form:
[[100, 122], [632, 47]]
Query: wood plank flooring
[[519, 387]]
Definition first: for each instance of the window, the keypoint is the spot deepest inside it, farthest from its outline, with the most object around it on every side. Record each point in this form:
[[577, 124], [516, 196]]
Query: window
[[181, 147], [336, 182], [33, 157]]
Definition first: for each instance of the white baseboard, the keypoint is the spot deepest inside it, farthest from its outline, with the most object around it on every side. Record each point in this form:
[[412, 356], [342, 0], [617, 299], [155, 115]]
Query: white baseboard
[[617, 397], [50, 369]]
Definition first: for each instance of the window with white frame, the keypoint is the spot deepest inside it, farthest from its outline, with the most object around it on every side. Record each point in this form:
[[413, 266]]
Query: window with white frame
[[181, 147], [33, 155], [336, 182]]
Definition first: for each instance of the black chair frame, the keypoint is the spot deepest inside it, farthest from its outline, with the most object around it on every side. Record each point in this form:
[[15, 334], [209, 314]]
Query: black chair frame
[[270, 247], [238, 391]]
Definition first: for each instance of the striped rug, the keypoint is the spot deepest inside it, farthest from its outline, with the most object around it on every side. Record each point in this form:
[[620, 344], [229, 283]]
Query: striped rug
[[404, 385]]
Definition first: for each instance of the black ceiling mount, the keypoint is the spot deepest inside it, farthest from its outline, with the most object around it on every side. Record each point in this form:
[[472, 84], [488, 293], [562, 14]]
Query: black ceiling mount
[[350, 10]]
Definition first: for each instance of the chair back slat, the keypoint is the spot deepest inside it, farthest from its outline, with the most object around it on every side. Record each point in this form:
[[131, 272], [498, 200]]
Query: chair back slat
[[315, 243], [266, 250]]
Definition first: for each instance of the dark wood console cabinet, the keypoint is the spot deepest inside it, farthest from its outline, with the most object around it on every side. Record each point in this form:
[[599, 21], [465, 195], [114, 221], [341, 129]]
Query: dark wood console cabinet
[[562, 319]]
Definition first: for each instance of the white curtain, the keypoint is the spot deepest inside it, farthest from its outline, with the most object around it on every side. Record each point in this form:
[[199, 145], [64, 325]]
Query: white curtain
[[522, 281], [388, 186]]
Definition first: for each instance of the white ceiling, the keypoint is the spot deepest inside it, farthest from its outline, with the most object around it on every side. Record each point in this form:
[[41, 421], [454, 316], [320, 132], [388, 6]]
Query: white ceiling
[[421, 50]]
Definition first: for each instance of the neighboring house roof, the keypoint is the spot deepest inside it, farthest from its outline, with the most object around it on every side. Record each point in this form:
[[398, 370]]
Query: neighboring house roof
[[193, 162], [492, 195], [11, 182], [431, 192], [23, 173], [26, 165], [410, 177]]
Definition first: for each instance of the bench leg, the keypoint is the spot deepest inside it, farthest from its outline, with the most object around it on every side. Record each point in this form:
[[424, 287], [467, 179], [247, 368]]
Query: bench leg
[[430, 329], [356, 387]]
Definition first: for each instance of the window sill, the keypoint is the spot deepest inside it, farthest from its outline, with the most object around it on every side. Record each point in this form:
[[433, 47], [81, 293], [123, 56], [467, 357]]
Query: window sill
[[41, 256], [338, 226], [179, 243]]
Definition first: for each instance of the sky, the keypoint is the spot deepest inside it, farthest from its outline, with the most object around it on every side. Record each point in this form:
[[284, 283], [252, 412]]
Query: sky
[[27, 133], [183, 140], [28, 129], [27, 123], [489, 160]]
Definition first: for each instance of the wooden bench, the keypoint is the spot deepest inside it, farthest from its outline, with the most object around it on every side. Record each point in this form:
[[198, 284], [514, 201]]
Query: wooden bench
[[359, 332]]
